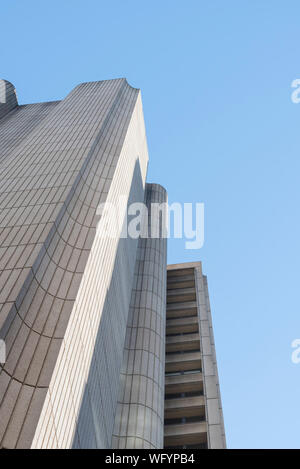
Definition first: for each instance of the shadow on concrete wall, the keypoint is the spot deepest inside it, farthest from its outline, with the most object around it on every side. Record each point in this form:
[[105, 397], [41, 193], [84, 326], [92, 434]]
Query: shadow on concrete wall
[[95, 420]]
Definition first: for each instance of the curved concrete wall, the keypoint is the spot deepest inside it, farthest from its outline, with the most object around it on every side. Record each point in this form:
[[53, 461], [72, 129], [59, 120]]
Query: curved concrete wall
[[139, 419], [59, 173]]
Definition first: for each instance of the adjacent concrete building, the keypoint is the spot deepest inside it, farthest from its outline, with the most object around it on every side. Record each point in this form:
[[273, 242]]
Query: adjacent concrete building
[[89, 328], [193, 410]]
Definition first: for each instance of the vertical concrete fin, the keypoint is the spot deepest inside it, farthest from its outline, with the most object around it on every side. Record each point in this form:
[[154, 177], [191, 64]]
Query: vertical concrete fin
[[214, 413]]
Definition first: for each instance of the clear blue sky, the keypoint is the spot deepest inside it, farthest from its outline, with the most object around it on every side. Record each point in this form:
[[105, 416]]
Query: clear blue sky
[[222, 129]]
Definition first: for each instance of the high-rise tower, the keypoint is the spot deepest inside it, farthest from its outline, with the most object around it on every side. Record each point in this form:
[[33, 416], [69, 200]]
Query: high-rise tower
[[83, 315], [193, 411]]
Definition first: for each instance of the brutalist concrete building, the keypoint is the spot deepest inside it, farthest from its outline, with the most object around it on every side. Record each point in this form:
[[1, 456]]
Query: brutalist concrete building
[[106, 345]]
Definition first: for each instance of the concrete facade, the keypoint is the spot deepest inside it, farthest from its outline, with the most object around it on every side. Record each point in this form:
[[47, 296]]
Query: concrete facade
[[89, 148], [8, 97], [139, 419], [193, 410], [88, 331]]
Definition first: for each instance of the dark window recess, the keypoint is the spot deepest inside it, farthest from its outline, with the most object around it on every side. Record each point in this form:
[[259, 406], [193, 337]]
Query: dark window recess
[[197, 446], [178, 352], [195, 419], [179, 373], [182, 333], [184, 394]]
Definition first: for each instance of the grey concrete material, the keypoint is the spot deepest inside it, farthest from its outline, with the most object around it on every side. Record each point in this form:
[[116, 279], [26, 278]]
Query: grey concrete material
[[192, 382], [186, 281], [8, 97], [186, 434], [214, 414], [187, 268], [180, 325], [183, 357], [90, 123], [218, 437], [197, 330], [208, 365], [182, 305], [15, 128], [88, 368], [185, 340], [73, 307], [183, 364], [205, 328], [186, 429], [102, 383], [178, 279], [211, 386], [182, 321], [206, 346], [139, 418], [181, 295], [185, 407], [180, 313]]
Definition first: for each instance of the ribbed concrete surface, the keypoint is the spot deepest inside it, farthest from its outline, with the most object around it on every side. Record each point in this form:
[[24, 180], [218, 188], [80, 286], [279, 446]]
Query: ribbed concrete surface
[[53, 176], [8, 97], [139, 420]]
